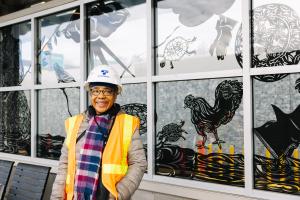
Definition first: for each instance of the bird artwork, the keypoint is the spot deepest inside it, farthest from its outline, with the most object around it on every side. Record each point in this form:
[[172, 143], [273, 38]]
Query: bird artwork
[[207, 118], [282, 136]]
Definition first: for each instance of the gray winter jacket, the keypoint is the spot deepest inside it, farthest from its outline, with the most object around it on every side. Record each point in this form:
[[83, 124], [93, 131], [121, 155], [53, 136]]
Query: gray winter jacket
[[137, 165]]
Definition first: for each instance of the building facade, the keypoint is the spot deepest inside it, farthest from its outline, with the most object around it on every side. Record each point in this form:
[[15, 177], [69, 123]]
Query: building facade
[[219, 113]]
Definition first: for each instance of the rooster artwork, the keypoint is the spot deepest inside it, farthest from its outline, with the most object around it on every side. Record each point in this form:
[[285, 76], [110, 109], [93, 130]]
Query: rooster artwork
[[207, 119]]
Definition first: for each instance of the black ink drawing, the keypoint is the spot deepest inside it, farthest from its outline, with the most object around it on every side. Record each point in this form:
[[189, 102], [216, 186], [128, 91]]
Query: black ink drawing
[[193, 13], [50, 146], [206, 118], [175, 49], [276, 39], [173, 160], [170, 133], [282, 136]]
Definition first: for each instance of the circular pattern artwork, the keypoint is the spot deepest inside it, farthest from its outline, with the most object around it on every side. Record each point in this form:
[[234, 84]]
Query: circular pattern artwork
[[275, 39]]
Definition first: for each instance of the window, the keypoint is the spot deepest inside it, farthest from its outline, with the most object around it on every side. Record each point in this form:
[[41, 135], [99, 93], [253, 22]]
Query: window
[[59, 52], [199, 130], [15, 122], [133, 101], [216, 90], [113, 36], [276, 131], [55, 105], [196, 36], [15, 45]]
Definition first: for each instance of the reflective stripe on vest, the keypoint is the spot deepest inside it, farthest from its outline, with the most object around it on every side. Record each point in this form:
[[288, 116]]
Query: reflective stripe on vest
[[127, 133], [114, 165]]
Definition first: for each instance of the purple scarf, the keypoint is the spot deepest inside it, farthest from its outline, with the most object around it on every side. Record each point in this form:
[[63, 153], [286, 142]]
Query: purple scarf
[[87, 174]]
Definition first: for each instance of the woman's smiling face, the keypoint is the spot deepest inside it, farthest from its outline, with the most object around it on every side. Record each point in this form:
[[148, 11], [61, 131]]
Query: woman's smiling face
[[102, 98]]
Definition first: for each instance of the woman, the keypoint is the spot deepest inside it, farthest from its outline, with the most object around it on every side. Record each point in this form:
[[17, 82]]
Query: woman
[[102, 157]]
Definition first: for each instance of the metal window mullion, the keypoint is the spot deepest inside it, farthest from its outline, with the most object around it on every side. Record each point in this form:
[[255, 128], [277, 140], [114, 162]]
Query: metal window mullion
[[247, 96], [83, 57], [134, 80], [150, 88], [15, 88], [34, 42], [199, 75], [275, 70], [56, 85]]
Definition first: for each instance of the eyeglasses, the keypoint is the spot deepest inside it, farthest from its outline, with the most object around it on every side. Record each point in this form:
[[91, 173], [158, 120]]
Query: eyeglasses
[[106, 92]]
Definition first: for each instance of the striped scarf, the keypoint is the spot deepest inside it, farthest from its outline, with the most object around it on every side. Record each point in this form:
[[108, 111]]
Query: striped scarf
[[87, 174]]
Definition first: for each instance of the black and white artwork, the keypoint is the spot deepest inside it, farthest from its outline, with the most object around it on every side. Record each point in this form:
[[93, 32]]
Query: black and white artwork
[[199, 130], [195, 36], [207, 118], [276, 39], [277, 134]]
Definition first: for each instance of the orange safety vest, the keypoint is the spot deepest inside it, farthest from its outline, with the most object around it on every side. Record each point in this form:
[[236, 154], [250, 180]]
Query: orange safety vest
[[114, 159]]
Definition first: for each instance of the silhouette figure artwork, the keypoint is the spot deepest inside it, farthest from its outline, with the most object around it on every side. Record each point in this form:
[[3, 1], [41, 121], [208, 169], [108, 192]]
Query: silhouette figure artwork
[[207, 119], [276, 39], [282, 136], [193, 13]]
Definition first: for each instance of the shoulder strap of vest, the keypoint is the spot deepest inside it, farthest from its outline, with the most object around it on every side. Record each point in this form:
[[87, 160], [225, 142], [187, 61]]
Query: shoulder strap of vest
[[127, 134], [72, 125]]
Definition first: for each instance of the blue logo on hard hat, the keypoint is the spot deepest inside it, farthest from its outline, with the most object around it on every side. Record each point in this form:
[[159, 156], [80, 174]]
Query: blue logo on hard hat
[[104, 72]]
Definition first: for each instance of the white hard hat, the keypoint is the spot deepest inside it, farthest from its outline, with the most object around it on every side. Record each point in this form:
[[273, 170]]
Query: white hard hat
[[103, 74]]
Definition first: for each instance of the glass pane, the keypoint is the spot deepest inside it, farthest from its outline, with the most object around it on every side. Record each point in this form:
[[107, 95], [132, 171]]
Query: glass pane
[[54, 107], [113, 36], [277, 134], [15, 127], [196, 36], [59, 48], [276, 33], [133, 100], [10, 6], [199, 130], [15, 54]]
